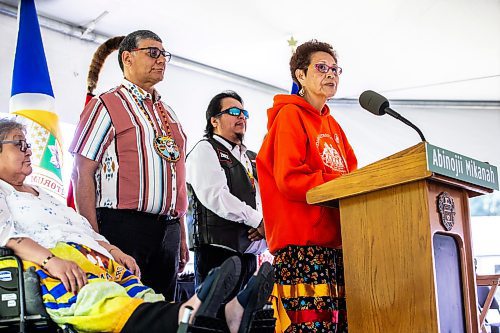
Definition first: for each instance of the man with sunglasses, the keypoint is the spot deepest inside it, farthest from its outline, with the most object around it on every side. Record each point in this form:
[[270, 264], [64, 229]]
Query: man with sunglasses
[[129, 172], [224, 216]]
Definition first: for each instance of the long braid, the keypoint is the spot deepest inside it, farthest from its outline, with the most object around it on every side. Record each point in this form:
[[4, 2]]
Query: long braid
[[98, 59]]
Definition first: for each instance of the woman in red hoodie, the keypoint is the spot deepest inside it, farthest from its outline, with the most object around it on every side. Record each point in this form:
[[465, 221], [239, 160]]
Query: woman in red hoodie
[[305, 147]]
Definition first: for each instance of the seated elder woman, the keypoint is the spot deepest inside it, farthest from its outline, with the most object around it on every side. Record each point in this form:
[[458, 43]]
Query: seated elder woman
[[86, 281]]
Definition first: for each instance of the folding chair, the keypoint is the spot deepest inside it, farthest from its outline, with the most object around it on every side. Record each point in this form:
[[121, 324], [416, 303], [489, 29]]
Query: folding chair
[[488, 305]]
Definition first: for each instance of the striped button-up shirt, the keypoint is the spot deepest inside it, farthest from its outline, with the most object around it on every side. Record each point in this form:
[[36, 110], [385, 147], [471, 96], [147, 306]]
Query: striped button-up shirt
[[117, 129]]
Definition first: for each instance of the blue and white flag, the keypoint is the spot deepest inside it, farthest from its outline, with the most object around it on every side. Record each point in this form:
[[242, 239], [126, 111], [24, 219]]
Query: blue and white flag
[[32, 98]]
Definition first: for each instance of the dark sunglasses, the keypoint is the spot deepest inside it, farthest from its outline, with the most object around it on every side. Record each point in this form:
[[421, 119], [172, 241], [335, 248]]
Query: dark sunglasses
[[324, 68], [155, 52], [234, 111], [23, 145]]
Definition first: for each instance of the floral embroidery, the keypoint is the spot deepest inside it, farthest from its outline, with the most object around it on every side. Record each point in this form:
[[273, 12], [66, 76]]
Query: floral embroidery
[[313, 265]]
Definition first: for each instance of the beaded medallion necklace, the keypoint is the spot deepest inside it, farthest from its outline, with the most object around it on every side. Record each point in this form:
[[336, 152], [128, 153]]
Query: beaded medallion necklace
[[164, 144]]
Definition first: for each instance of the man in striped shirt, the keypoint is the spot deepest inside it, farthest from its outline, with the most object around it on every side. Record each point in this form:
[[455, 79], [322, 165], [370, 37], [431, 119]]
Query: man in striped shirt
[[129, 171]]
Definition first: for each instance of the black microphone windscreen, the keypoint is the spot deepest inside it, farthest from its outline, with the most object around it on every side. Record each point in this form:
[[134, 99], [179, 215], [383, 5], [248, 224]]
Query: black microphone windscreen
[[373, 102]]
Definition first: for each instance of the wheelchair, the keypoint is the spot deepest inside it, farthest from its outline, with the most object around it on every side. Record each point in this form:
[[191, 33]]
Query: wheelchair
[[22, 309]]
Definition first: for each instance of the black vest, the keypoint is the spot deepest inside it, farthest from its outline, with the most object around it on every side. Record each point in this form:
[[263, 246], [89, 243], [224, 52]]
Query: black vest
[[205, 227]]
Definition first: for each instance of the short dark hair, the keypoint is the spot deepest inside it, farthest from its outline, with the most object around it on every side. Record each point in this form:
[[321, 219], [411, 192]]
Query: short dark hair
[[7, 125], [301, 58], [215, 106], [131, 41]]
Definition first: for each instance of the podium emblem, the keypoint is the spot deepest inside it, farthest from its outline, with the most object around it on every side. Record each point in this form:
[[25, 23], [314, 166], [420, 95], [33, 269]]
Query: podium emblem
[[446, 208]]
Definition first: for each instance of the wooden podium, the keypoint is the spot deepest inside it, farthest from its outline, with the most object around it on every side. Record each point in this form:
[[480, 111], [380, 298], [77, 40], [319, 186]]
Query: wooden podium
[[404, 270]]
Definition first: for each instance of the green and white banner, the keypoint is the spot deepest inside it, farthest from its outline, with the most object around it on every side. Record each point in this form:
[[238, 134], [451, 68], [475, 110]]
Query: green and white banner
[[457, 166]]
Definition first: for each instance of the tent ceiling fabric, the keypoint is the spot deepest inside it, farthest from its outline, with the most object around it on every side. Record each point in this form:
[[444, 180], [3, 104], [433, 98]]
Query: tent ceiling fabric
[[428, 49]]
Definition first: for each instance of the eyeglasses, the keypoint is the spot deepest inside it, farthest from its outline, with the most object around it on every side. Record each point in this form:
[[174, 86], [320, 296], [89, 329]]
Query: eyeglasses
[[155, 52], [23, 145], [324, 68], [234, 111]]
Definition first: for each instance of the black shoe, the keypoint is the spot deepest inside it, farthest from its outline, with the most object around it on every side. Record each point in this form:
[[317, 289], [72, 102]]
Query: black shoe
[[261, 288], [218, 285]]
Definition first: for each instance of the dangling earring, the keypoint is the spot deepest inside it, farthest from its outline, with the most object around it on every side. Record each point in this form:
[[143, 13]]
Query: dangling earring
[[301, 92]]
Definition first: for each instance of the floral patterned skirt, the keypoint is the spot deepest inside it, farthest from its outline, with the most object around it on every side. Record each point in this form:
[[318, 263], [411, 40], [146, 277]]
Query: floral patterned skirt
[[310, 289]]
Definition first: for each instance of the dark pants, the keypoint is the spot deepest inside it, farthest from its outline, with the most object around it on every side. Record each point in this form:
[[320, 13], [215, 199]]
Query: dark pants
[[159, 317], [153, 243], [207, 257]]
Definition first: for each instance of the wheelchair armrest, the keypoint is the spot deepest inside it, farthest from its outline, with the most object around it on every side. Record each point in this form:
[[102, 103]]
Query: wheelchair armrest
[[29, 287], [5, 251]]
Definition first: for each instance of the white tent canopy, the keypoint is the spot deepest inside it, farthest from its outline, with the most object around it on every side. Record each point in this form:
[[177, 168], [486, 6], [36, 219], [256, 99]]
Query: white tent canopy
[[442, 56]]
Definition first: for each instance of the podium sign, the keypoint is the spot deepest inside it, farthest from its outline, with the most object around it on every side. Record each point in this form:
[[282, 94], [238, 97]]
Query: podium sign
[[454, 165]]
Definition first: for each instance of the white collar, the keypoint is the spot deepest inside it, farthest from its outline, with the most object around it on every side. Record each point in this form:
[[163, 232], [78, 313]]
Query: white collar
[[140, 93], [240, 148]]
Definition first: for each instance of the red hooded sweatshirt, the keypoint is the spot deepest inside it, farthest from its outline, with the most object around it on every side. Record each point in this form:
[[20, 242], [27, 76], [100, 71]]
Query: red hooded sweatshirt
[[303, 149]]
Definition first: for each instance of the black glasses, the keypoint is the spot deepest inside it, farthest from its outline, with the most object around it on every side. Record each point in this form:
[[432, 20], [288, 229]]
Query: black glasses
[[324, 68], [155, 52], [234, 111], [23, 145]]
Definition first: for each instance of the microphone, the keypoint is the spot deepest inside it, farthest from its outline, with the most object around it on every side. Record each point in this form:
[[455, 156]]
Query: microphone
[[379, 105]]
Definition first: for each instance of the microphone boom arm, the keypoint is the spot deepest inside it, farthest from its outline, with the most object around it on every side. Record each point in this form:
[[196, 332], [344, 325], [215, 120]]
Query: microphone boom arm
[[396, 115]]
